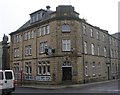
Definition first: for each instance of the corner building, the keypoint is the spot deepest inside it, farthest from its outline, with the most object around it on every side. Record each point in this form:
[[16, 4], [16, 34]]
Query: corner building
[[54, 47]]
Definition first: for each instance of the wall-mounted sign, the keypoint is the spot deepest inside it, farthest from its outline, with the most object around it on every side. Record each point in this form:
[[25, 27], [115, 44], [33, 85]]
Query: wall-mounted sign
[[43, 78], [28, 77]]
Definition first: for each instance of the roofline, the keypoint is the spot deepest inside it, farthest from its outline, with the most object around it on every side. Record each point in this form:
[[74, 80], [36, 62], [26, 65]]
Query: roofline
[[38, 11], [45, 21]]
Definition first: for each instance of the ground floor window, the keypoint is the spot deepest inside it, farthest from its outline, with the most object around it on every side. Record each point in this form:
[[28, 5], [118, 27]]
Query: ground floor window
[[28, 68], [86, 68], [43, 68]]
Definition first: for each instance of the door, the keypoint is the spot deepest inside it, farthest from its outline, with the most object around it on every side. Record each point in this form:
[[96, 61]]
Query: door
[[108, 72], [1, 81], [66, 73], [9, 81]]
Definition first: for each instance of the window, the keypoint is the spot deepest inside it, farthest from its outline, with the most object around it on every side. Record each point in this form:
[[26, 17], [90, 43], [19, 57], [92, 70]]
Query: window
[[47, 29], [66, 45], [16, 52], [14, 39], [44, 30], [42, 47], [40, 31], [92, 49], [1, 75], [97, 35], [84, 29], [98, 50], [8, 75], [44, 68], [25, 36], [17, 38], [20, 38], [85, 47], [28, 35], [94, 69], [16, 67], [39, 70], [105, 52], [86, 68], [113, 68], [32, 34], [99, 68], [91, 32], [103, 37], [65, 28], [28, 50], [112, 53], [28, 67]]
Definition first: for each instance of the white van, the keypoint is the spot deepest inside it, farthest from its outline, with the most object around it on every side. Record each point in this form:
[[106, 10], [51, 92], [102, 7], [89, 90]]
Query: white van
[[7, 81]]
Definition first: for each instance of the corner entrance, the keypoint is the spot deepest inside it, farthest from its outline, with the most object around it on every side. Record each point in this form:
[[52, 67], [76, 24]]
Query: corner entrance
[[67, 73]]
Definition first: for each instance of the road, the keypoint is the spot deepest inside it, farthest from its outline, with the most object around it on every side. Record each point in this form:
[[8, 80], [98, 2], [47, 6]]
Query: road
[[106, 87]]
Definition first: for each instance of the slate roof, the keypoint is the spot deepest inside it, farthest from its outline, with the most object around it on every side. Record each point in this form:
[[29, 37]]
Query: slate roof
[[28, 23]]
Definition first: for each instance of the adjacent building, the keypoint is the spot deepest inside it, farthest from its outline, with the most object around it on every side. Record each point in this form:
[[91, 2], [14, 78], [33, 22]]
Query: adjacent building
[[54, 47]]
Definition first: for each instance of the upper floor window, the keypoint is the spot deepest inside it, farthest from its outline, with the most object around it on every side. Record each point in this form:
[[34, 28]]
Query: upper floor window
[[28, 50], [97, 33], [16, 52], [40, 31], [85, 47], [47, 29], [112, 53], [84, 29], [103, 37], [91, 32], [25, 36], [32, 34], [105, 52], [17, 38], [42, 47], [29, 35], [65, 28], [66, 45], [98, 50], [44, 30], [92, 49]]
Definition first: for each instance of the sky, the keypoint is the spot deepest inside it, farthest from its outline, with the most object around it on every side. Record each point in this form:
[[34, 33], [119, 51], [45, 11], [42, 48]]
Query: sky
[[101, 13]]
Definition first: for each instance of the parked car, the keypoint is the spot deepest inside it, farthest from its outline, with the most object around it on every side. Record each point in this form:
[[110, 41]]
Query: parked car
[[7, 81]]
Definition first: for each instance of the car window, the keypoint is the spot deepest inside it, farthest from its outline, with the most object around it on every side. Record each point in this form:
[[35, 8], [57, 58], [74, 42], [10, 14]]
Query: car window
[[8, 75], [1, 75]]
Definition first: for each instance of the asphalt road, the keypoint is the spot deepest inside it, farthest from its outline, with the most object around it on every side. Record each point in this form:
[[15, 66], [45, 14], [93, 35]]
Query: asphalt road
[[102, 88]]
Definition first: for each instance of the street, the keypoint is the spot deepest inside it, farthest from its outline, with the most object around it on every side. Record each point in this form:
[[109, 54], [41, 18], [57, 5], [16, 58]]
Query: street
[[105, 87]]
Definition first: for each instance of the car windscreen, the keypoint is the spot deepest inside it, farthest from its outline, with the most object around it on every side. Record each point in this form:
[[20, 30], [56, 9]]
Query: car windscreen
[[8, 75], [1, 75]]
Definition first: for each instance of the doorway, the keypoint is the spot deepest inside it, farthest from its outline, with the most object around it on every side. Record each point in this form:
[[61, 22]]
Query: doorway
[[108, 69], [66, 73]]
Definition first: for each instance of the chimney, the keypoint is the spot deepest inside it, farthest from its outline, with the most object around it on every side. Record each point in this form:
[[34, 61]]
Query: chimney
[[48, 8]]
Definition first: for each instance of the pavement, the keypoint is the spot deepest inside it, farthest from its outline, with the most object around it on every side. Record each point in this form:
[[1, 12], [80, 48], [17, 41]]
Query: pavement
[[62, 86]]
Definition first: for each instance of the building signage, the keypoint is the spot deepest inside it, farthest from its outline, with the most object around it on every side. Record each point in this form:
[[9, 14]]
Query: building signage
[[28, 77], [43, 78]]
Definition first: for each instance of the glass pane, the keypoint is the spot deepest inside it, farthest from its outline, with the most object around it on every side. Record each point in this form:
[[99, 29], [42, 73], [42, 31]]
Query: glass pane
[[8, 75]]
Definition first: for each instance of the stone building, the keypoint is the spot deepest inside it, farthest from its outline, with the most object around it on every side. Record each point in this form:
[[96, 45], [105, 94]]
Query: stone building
[[54, 47]]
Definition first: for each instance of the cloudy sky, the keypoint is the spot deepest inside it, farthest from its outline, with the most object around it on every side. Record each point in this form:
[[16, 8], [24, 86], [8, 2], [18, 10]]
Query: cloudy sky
[[101, 13]]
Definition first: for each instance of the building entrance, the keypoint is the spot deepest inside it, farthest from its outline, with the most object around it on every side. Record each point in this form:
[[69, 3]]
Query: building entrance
[[66, 73]]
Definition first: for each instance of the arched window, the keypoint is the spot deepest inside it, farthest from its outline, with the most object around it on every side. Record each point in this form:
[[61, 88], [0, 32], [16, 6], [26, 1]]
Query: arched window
[[65, 28]]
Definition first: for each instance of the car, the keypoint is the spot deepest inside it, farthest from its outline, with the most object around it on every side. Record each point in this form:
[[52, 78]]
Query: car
[[7, 82]]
